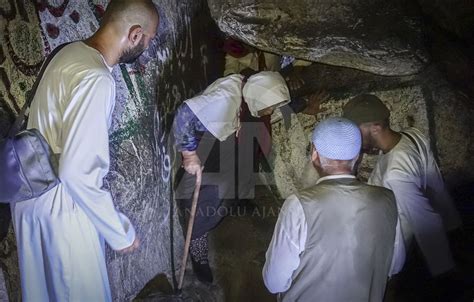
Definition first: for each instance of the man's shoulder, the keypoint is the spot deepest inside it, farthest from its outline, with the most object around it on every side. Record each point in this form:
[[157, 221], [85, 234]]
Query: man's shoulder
[[320, 195], [403, 166], [324, 188], [378, 196], [309, 191], [79, 59], [378, 190], [292, 201], [414, 132], [292, 206], [402, 161]]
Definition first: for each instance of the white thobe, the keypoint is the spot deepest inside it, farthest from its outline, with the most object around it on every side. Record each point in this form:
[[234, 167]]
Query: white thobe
[[288, 242], [60, 235], [331, 243], [425, 207]]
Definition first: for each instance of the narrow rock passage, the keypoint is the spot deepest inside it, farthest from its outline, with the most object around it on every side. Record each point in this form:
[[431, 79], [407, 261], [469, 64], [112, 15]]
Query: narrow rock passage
[[238, 246], [237, 254]]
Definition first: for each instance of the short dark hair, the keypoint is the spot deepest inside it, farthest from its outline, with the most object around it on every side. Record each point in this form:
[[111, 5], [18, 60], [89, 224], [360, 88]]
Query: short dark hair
[[117, 9], [366, 108]]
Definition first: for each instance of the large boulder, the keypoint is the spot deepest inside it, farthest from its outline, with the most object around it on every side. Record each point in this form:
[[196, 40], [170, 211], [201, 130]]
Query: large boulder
[[383, 37], [427, 101]]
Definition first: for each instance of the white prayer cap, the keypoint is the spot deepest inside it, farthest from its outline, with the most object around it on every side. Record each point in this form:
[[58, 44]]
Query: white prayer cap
[[337, 138], [265, 89]]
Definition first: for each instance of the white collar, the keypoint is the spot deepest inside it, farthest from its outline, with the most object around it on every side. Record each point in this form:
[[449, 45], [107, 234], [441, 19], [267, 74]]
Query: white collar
[[335, 177]]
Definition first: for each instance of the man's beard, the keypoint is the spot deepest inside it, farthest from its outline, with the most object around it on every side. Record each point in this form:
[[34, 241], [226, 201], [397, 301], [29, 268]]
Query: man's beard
[[130, 55], [369, 146]]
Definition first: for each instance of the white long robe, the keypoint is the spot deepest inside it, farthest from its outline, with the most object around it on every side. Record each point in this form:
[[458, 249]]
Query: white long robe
[[61, 234], [425, 207]]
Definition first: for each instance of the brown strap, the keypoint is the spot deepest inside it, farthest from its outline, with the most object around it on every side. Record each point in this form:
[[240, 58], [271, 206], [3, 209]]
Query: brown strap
[[19, 123]]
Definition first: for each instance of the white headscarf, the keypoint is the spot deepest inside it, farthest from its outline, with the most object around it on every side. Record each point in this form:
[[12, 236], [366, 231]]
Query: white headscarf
[[265, 89], [218, 106]]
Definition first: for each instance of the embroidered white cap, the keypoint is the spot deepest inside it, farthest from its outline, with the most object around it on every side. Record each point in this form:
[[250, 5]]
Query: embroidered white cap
[[337, 138]]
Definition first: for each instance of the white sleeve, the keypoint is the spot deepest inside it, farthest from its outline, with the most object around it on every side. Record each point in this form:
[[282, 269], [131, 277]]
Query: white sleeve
[[84, 160], [399, 251], [440, 197], [425, 223], [288, 242]]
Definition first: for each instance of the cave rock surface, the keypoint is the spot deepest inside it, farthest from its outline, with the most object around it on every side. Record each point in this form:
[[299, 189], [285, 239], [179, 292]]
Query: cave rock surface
[[375, 36]]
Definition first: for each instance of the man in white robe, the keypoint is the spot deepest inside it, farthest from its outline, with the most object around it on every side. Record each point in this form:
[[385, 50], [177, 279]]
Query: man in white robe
[[61, 234], [334, 240], [407, 166], [241, 58], [205, 129]]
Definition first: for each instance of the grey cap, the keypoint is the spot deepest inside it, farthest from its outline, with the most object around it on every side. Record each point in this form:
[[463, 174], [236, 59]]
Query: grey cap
[[365, 108]]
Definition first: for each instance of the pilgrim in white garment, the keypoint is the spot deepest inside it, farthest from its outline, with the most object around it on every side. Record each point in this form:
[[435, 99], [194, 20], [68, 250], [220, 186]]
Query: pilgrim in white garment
[[60, 235], [426, 210]]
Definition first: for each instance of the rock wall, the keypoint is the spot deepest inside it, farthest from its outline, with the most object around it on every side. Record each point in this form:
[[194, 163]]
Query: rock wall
[[377, 36], [455, 16], [426, 101], [374, 37], [177, 65], [403, 51]]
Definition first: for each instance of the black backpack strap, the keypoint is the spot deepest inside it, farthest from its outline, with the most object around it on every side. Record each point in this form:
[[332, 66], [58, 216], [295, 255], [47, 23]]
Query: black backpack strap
[[412, 140], [20, 120]]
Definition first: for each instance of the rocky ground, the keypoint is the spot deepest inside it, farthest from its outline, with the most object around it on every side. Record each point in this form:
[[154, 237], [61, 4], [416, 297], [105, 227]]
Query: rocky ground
[[237, 254]]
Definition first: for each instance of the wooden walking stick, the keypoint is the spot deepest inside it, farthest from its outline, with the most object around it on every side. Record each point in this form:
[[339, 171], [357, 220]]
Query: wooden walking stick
[[190, 228]]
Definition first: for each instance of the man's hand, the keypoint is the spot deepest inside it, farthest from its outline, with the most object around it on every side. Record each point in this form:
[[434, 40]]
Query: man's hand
[[295, 80], [314, 102], [133, 247], [191, 162]]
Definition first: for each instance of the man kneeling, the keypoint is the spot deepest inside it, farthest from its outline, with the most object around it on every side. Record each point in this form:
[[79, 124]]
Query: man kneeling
[[333, 241]]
